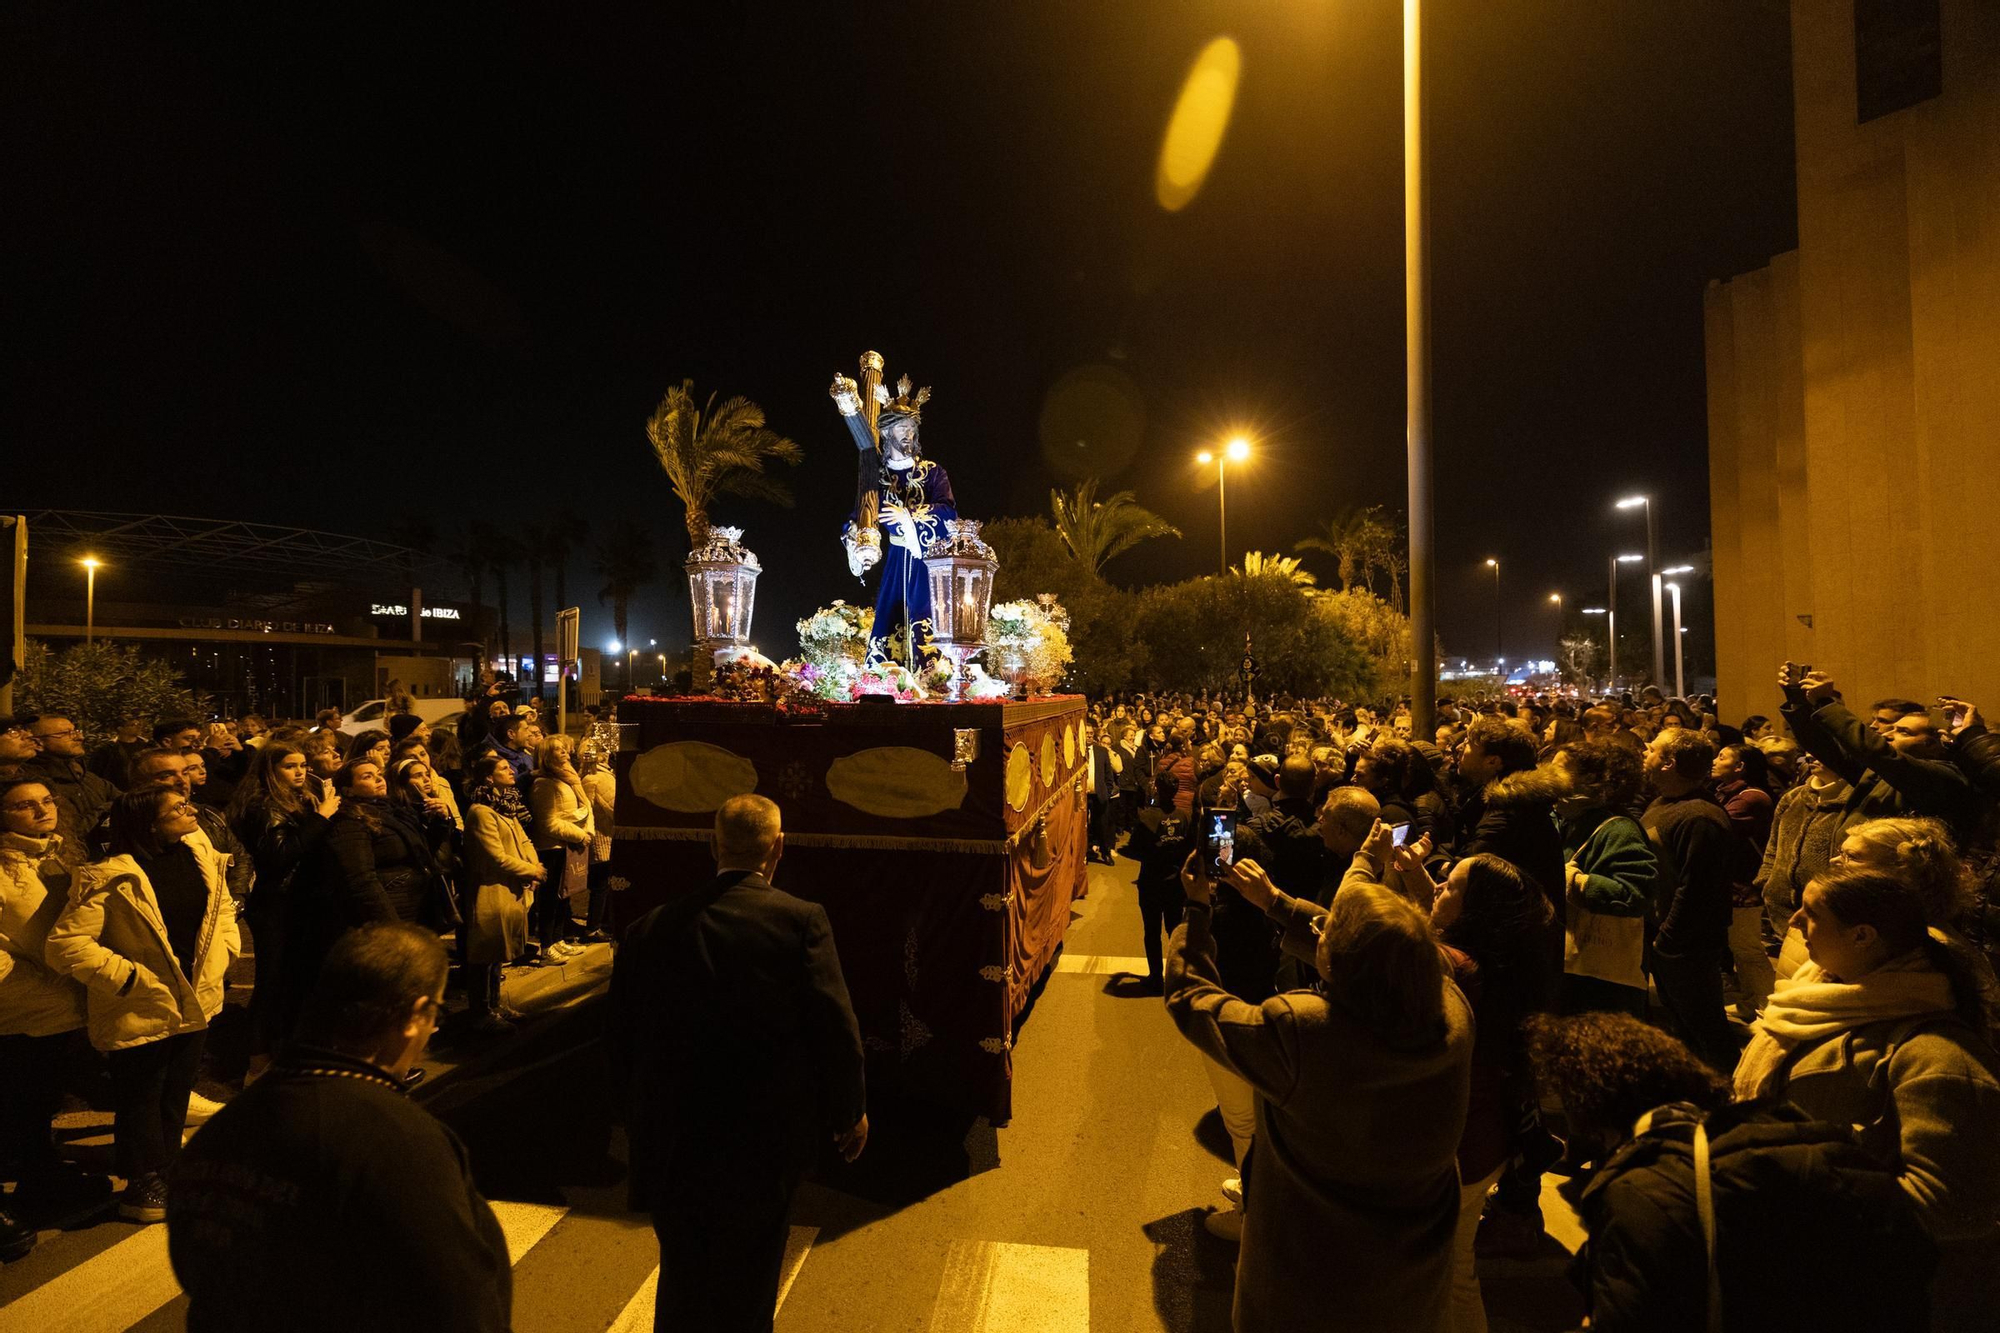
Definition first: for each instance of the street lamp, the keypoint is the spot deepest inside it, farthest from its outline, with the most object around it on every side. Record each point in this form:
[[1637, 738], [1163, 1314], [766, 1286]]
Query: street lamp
[[1611, 610], [90, 564], [1653, 569], [1494, 565], [1236, 451], [1680, 687], [1611, 636]]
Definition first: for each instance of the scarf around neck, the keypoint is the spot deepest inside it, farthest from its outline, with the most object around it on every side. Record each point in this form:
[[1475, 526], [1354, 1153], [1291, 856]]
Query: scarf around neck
[[501, 800], [1811, 1007]]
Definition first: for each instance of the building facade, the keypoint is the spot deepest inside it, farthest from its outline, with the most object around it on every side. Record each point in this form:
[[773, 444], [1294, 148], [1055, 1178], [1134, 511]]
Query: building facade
[[1854, 383]]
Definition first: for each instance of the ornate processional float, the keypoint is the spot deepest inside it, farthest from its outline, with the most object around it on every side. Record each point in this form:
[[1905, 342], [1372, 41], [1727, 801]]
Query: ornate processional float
[[933, 805]]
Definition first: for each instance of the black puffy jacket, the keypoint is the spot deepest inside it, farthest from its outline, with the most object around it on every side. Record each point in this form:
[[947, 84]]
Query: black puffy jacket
[[1811, 1231]]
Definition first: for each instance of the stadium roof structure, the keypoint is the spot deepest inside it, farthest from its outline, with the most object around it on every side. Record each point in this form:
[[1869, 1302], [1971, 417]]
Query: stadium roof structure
[[252, 553]]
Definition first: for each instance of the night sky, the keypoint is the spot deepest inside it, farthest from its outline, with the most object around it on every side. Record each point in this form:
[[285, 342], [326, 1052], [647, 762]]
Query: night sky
[[322, 265]]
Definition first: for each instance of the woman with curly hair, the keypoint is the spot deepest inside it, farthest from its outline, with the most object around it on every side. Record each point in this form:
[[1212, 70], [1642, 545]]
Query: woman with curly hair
[[1782, 1189]]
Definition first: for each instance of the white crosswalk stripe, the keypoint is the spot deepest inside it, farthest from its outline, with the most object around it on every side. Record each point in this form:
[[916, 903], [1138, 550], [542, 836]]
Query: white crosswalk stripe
[[1101, 964], [993, 1287], [107, 1293], [524, 1224], [637, 1316]]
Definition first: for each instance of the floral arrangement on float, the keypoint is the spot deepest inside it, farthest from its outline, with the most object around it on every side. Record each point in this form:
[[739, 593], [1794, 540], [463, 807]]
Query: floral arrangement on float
[[1028, 643], [833, 649]]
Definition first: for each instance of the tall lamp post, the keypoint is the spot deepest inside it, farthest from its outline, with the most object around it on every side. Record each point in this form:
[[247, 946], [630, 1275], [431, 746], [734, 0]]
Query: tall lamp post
[[1610, 637], [1498, 660], [90, 564], [1680, 680], [1417, 379], [1556, 600], [1680, 688], [1652, 569], [1611, 610], [1235, 451]]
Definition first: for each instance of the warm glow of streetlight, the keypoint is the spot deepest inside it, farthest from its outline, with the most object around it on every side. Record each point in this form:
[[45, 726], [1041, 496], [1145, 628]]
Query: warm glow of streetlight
[[1679, 569], [91, 562], [1628, 559], [1556, 597], [1200, 119], [1593, 610], [1492, 563], [1632, 501], [1239, 449], [1204, 458]]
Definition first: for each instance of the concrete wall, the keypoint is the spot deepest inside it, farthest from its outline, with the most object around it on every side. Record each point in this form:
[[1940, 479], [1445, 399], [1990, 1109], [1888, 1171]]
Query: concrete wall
[[1854, 391]]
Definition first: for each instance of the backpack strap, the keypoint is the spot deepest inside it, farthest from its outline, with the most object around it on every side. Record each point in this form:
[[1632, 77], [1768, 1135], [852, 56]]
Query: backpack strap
[[1704, 1206]]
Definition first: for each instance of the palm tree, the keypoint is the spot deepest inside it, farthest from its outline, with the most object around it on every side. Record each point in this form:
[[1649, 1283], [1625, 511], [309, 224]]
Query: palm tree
[[623, 558], [502, 551], [717, 450], [564, 529], [535, 554], [1352, 539], [465, 548], [1257, 565], [1097, 531]]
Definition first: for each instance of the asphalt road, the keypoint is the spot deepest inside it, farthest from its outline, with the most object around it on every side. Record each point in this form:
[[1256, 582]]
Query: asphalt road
[[1083, 1214]]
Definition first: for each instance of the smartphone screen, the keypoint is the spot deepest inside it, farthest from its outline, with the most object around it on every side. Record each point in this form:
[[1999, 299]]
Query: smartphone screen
[[1399, 834], [1219, 840]]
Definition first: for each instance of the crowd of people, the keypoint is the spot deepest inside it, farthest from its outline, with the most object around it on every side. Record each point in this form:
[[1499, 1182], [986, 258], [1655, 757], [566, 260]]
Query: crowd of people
[[135, 873], [1734, 981], [1616, 938]]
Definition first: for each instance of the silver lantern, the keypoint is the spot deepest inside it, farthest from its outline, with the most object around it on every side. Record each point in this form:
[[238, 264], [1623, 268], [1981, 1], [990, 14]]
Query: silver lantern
[[722, 591], [961, 569]]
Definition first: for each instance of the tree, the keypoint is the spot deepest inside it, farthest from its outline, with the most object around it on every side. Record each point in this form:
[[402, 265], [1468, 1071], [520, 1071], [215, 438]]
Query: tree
[[563, 531], [502, 551], [624, 559], [1097, 531], [535, 542], [1379, 630], [1193, 635], [465, 549], [1357, 540], [717, 450], [1578, 657], [1257, 565], [94, 685], [1034, 560]]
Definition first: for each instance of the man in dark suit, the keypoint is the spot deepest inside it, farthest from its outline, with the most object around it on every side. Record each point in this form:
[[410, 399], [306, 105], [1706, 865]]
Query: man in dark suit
[[740, 1060], [1102, 790]]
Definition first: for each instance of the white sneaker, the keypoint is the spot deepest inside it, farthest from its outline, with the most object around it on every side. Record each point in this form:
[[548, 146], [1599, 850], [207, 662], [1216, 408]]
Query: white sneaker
[[1232, 1190], [1224, 1224], [200, 1108], [562, 951]]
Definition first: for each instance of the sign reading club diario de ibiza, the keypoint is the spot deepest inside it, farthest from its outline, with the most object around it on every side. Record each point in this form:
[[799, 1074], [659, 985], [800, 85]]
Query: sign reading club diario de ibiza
[[397, 609]]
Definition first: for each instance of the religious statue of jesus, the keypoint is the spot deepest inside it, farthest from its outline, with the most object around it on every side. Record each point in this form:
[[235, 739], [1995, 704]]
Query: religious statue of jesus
[[902, 495]]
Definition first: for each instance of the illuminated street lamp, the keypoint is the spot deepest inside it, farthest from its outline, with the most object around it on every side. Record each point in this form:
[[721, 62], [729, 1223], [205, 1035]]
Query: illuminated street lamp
[[1680, 687], [90, 564], [1652, 569], [1611, 636], [1494, 565], [1611, 610], [1236, 451]]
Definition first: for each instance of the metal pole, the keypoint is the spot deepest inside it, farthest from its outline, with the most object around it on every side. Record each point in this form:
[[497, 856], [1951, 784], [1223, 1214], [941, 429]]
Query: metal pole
[[1417, 368], [1680, 682], [1611, 623], [1653, 569], [1222, 512], [1499, 661], [89, 603], [17, 639]]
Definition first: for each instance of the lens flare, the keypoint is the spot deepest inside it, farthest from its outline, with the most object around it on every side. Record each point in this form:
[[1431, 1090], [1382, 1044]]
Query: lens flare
[[1200, 120]]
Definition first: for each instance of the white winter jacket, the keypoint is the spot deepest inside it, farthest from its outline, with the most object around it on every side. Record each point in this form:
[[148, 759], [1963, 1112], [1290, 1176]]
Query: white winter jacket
[[112, 938]]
